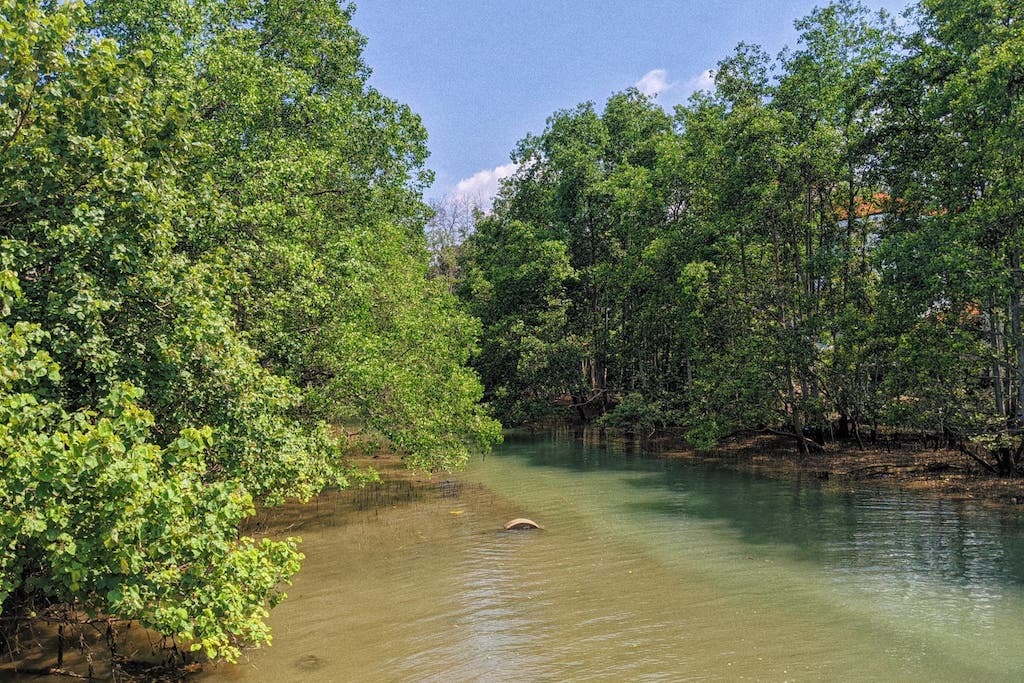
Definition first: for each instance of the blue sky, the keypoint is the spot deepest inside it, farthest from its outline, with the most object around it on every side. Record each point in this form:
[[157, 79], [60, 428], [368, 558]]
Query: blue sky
[[484, 73]]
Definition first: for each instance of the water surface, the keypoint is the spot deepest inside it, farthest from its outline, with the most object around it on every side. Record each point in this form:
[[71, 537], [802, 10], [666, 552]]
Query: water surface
[[649, 569]]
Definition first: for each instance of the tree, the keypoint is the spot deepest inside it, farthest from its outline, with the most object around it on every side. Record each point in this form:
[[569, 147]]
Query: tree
[[318, 226], [590, 183], [451, 225], [108, 512], [953, 156], [517, 282], [211, 243]]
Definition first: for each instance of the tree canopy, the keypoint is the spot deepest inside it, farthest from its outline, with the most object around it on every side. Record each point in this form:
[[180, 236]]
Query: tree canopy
[[212, 250], [826, 242]]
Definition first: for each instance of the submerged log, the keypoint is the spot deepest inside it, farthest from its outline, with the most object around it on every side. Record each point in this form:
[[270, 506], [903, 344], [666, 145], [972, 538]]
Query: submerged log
[[521, 523]]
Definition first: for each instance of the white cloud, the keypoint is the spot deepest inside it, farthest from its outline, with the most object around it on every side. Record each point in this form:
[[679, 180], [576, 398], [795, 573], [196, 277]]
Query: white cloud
[[705, 80], [653, 82], [656, 82], [480, 188]]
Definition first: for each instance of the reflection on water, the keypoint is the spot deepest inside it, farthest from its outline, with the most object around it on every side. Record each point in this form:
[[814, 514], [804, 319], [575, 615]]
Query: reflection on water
[[649, 569]]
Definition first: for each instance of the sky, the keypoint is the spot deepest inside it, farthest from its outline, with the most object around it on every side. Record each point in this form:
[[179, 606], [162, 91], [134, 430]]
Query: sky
[[484, 73]]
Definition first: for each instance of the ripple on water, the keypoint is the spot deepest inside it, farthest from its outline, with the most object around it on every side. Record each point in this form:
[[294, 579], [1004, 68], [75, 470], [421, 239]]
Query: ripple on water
[[650, 571]]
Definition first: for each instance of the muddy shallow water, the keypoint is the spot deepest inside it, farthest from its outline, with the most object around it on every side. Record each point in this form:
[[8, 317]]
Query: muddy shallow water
[[648, 570]]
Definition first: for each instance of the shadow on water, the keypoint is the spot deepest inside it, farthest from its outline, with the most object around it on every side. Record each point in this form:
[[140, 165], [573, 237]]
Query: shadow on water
[[335, 508], [876, 530]]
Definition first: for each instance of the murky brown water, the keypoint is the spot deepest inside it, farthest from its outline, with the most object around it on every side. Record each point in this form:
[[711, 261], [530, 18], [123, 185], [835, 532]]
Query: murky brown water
[[646, 571]]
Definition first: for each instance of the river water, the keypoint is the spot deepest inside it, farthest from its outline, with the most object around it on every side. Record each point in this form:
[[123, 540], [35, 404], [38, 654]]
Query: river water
[[648, 570]]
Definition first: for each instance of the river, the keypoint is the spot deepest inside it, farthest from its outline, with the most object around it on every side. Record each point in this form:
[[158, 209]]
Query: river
[[649, 569]]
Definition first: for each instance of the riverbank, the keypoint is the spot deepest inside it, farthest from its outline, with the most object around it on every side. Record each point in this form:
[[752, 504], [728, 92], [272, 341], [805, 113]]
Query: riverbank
[[909, 466]]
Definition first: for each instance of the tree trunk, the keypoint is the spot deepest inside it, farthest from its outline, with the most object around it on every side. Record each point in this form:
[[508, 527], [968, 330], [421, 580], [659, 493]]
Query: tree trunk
[[1017, 279], [842, 425], [997, 378]]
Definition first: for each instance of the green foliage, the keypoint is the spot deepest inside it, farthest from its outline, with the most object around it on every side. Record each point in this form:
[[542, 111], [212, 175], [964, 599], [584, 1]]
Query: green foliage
[[635, 415], [317, 223], [517, 285], [97, 516], [952, 258], [565, 247], [826, 241], [210, 245], [94, 213]]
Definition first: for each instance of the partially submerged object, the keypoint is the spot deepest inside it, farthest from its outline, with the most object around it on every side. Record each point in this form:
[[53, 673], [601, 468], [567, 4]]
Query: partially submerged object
[[520, 523]]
